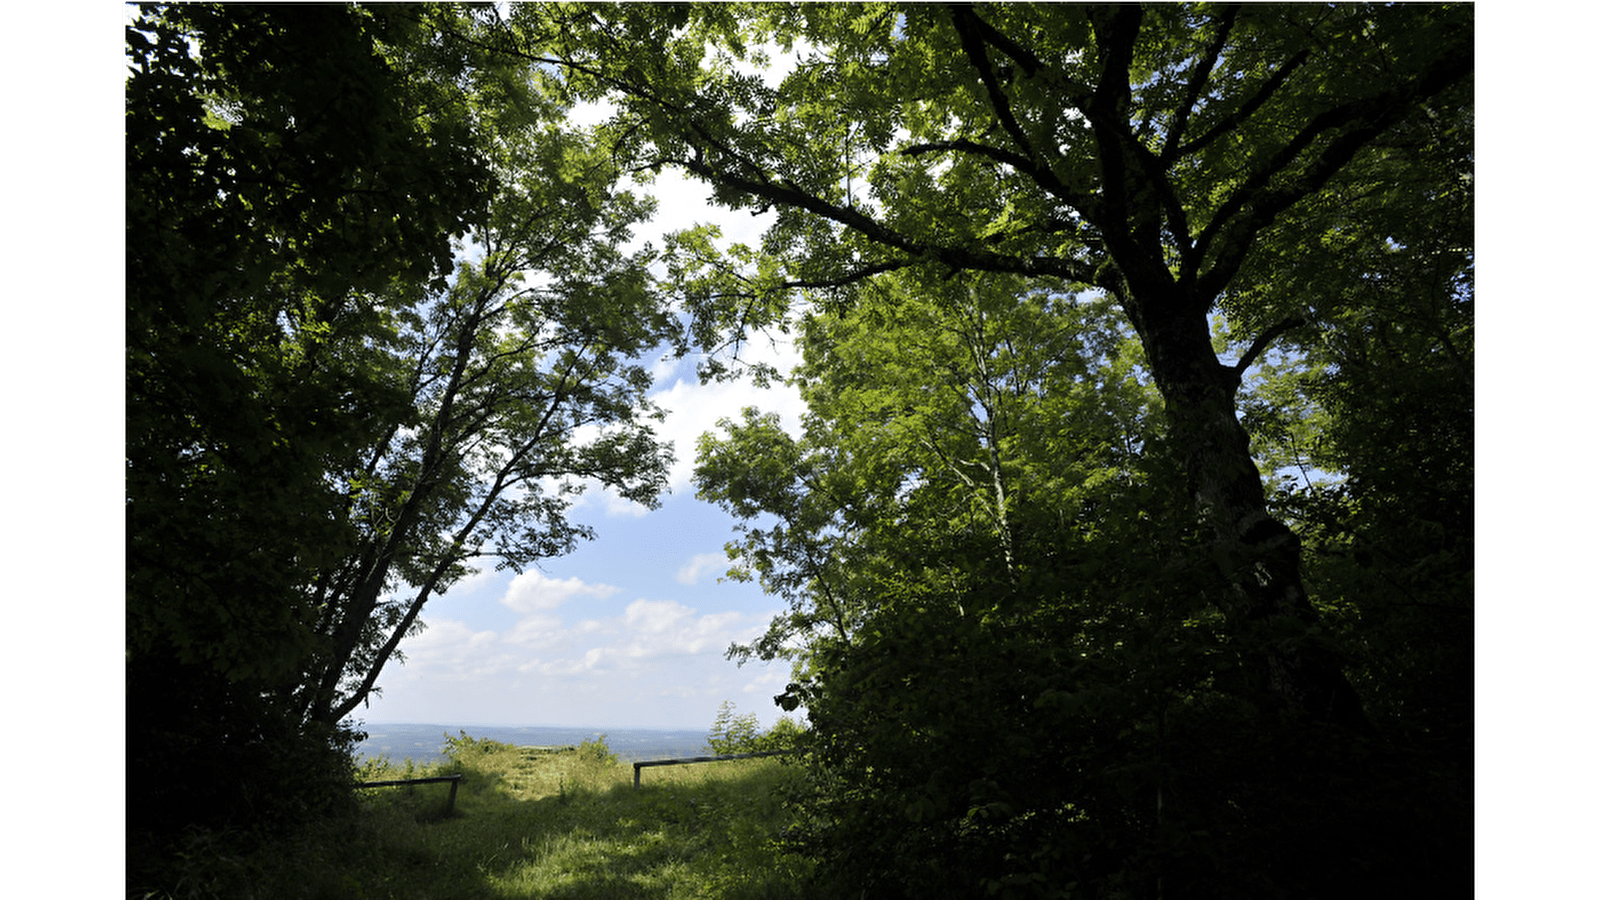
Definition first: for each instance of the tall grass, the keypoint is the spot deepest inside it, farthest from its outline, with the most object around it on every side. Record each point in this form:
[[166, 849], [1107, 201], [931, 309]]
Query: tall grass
[[534, 823]]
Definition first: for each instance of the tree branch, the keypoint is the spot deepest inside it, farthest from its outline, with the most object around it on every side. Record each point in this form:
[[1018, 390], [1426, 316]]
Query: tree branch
[[1255, 204], [1042, 175], [1264, 340], [783, 192], [1247, 109], [1115, 32], [1202, 73], [968, 26]]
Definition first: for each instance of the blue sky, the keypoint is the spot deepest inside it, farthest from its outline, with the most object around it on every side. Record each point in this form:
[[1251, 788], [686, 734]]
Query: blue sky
[[631, 629]]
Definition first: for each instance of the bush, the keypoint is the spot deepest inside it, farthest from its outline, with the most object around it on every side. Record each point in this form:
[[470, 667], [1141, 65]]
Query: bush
[[732, 734], [954, 757], [225, 770], [596, 753]]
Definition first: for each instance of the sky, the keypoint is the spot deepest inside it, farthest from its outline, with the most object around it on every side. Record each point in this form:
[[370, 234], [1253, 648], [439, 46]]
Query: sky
[[632, 629]]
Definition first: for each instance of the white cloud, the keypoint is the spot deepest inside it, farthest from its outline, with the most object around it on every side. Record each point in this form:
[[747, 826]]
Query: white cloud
[[533, 591], [477, 579], [694, 409], [536, 633], [698, 564], [566, 667], [649, 648], [657, 664], [451, 650], [621, 507], [654, 617], [657, 628]]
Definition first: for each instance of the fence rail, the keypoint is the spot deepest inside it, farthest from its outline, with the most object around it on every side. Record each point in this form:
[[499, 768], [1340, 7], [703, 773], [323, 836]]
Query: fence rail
[[449, 805], [696, 759]]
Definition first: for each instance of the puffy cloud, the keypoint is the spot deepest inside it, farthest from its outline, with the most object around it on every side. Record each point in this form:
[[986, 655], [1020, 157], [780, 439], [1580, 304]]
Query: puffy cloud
[[568, 667], [695, 408], [450, 649], [537, 633], [651, 641], [533, 591], [658, 629], [699, 564]]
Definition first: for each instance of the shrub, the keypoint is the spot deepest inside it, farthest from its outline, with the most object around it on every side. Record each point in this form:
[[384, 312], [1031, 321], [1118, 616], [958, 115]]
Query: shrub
[[742, 734]]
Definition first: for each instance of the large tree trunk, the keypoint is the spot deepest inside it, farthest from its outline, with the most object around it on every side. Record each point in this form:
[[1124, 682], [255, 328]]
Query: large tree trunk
[[1267, 606]]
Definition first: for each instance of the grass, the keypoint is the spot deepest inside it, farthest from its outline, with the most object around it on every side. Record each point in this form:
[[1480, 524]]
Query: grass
[[535, 823]]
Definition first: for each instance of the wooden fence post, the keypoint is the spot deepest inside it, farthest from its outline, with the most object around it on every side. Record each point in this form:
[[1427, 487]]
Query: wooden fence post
[[455, 782]]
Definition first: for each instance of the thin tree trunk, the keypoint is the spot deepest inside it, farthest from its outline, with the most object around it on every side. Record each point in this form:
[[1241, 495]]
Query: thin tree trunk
[[363, 600]]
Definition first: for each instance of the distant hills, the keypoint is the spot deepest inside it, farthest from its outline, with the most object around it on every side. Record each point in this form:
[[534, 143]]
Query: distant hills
[[424, 743]]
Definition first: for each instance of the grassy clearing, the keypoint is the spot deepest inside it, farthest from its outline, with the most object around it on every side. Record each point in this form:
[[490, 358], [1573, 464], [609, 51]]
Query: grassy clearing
[[533, 822]]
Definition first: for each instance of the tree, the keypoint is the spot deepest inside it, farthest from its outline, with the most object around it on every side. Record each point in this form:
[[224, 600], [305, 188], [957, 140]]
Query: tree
[[1188, 161], [1378, 393], [943, 413], [970, 534], [264, 212], [1152, 152], [259, 213], [731, 733], [523, 384], [325, 427]]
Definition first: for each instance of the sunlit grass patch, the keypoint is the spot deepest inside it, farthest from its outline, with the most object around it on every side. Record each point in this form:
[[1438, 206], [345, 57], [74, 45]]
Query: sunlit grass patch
[[540, 823]]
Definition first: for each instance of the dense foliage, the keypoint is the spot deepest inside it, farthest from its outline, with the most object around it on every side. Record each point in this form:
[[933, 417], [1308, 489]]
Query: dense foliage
[[1055, 632], [375, 335], [262, 212], [1127, 543], [1004, 618]]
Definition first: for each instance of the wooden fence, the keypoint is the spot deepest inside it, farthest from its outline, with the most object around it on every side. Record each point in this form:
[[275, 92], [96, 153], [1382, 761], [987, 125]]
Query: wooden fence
[[696, 759], [455, 782]]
